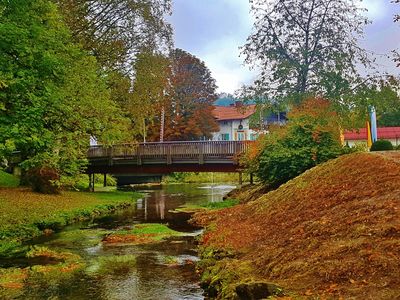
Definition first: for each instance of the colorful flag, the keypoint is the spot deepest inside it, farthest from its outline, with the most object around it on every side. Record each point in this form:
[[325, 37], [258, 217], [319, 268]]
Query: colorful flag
[[369, 137], [374, 128]]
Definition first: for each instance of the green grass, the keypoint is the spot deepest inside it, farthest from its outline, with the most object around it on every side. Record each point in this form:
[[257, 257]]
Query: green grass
[[155, 230], [206, 177], [223, 204], [24, 214], [8, 180]]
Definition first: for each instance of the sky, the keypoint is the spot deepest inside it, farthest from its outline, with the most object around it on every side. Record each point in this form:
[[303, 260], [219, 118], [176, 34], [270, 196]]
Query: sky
[[213, 30]]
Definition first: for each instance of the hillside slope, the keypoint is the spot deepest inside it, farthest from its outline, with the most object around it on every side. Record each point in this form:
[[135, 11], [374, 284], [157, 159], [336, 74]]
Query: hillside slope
[[333, 232]]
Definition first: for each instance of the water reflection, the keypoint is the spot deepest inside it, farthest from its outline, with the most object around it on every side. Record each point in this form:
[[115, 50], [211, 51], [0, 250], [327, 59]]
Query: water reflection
[[159, 271], [158, 204]]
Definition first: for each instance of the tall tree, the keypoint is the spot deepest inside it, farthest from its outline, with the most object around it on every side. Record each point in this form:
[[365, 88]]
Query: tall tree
[[190, 98], [305, 46], [395, 52], [116, 30], [52, 94], [118, 33], [148, 98]]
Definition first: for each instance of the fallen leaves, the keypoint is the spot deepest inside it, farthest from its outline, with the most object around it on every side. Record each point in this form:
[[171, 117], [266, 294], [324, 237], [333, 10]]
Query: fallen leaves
[[338, 232], [129, 239]]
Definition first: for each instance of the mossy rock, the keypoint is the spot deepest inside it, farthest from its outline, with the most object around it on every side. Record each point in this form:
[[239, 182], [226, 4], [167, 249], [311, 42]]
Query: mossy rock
[[257, 290]]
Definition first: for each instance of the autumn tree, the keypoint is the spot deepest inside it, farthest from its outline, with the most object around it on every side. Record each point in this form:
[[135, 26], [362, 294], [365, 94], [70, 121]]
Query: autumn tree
[[305, 47], [189, 100]]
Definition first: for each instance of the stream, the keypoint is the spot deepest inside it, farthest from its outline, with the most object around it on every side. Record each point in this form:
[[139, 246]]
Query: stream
[[164, 270]]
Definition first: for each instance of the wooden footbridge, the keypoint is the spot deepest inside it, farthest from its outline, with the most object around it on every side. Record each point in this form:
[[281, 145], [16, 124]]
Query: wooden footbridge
[[167, 157], [148, 159]]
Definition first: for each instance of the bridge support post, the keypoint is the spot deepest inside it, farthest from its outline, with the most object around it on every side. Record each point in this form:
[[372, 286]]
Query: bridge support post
[[251, 178], [91, 182], [240, 178], [105, 180]]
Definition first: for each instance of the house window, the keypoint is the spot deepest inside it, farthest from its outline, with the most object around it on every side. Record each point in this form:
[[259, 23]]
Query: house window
[[253, 136], [241, 136], [225, 136]]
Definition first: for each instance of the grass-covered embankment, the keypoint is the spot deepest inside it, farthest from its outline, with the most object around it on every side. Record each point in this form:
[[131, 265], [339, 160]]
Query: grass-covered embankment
[[8, 180], [331, 233], [25, 214]]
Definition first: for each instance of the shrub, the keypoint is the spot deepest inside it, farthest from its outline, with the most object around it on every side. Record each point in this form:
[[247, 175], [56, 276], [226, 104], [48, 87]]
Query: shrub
[[382, 145], [43, 180], [311, 136]]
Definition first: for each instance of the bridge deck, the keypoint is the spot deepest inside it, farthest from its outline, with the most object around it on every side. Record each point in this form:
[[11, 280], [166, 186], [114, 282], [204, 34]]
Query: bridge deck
[[166, 157]]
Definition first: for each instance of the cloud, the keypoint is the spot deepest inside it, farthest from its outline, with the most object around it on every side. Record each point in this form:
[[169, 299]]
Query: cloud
[[226, 66], [214, 31], [377, 9]]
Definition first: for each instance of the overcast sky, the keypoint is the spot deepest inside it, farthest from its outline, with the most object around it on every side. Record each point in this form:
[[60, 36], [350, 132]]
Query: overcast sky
[[213, 30]]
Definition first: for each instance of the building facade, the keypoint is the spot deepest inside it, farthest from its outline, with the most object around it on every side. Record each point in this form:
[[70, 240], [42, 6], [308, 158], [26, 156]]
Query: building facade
[[392, 134], [234, 123]]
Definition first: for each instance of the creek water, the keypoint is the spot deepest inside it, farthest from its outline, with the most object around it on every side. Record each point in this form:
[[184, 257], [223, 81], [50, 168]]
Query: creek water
[[163, 270]]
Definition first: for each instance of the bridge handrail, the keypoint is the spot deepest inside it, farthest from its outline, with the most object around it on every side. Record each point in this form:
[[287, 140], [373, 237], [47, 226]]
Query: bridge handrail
[[170, 150]]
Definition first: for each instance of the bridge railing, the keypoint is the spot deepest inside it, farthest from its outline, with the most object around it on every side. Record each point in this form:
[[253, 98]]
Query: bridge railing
[[171, 150]]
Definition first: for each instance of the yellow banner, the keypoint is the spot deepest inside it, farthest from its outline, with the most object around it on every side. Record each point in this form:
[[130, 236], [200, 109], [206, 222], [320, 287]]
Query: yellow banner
[[369, 137]]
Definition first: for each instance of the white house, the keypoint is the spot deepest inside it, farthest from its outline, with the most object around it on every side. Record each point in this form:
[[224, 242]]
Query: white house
[[391, 134], [234, 122]]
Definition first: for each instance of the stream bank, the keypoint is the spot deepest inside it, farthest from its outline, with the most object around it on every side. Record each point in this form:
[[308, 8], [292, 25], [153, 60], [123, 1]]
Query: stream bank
[[25, 215], [331, 233], [101, 258]]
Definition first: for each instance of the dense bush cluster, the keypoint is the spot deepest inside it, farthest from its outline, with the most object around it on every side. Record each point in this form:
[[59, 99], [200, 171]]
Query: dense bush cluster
[[381, 145], [312, 136]]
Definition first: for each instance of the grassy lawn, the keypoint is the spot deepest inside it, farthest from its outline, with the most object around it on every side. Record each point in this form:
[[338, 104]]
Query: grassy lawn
[[24, 214], [8, 180]]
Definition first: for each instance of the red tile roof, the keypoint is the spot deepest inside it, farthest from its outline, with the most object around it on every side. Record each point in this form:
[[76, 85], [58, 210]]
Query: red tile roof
[[233, 112], [383, 133]]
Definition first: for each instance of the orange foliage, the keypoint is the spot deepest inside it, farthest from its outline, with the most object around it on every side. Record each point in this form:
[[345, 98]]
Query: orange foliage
[[129, 239], [321, 111], [12, 285], [189, 101], [333, 231]]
